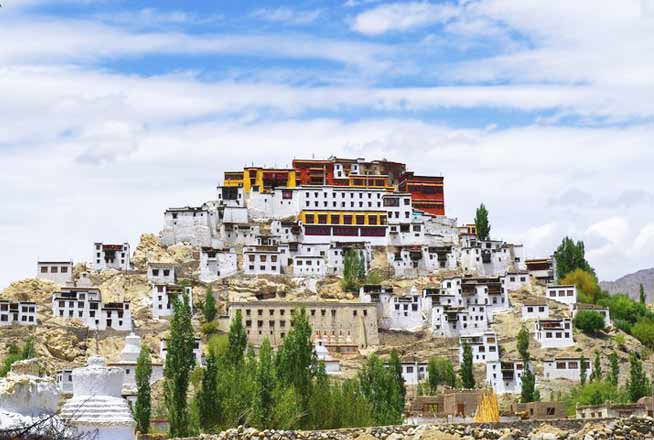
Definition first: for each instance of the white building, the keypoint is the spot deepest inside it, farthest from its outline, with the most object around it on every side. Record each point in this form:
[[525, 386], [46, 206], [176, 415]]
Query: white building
[[564, 368], [163, 298], [197, 350], [603, 311], [410, 312], [563, 294], [111, 256], [162, 273], [18, 313], [490, 258], [187, 225], [554, 333], [85, 304], [64, 381], [414, 372], [217, 263], [513, 281], [535, 309], [128, 360], [419, 260], [485, 347], [332, 366], [59, 272], [263, 260], [459, 321], [505, 377]]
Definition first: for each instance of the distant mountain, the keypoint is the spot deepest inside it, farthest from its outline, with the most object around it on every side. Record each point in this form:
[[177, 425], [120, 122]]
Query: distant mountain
[[630, 284]]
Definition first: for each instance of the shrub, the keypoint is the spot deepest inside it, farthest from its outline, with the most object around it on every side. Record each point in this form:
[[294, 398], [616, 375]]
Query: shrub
[[589, 321], [643, 330], [210, 328]]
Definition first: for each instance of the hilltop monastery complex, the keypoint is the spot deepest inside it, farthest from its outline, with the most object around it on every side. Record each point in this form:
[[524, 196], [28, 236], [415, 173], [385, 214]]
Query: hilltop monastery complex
[[301, 222]]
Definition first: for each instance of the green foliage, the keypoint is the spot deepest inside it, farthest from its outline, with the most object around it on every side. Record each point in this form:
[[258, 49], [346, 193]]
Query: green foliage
[[143, 405], [570, 256], [528, 392], [467, 373], [583, 370], [395, 366], [596, 374], [643, 298], [440, 371], [482, 224], [381, 388], [624, 308], [208, 402], [210, 328], [264, 403], [637, 385], [179, 363], [596, 393], [523, 343], [238, 341], [589, 321], [15, 354], [643, 330], [209, 306], [614, 369], [354, 270], [586, 282]]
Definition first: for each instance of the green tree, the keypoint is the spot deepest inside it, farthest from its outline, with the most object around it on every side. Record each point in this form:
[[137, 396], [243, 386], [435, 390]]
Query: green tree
[[177, 370], [209, 306], [440, 371], [643, 330], [482, 224], [614, 369], [583, 369], [296, 360], [528, 392], [354, 270], [264, 404], [395, 365], [208, 400], [637, 385], [570, 256], [467, 373], [15, 354], [523, 343], [589, 321], [587, 288], [143, 405], [643, 298], [238, 341], [381, 389], [596, 374], [322, 412]]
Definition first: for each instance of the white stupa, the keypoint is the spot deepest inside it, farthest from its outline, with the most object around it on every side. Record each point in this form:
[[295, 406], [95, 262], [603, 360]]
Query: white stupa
[[97, 406]]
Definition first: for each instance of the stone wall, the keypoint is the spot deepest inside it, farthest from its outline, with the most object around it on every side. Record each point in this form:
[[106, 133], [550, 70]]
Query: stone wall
[[625, 429]]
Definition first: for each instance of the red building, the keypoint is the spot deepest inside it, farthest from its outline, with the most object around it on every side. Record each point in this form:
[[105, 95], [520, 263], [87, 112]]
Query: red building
[[426, 192]]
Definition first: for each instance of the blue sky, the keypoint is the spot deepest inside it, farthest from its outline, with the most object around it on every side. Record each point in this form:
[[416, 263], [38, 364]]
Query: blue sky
[[114, 110]]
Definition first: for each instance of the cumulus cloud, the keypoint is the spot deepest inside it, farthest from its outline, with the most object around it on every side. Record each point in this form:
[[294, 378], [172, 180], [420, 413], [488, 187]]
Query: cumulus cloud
[[401, 17]]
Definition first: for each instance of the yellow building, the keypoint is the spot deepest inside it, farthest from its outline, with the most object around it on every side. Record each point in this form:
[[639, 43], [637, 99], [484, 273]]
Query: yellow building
[[367, 218], [261, 179]]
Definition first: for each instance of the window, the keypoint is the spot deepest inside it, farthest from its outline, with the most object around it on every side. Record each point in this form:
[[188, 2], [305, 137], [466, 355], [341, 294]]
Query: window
[[54, 269], [44, 269]]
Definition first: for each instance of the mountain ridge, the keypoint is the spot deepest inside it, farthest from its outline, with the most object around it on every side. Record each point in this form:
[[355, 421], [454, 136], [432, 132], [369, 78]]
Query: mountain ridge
[[630, 284]]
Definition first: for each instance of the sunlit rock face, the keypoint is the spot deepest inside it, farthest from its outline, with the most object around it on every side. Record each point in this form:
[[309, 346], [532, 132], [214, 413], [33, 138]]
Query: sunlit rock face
[[97, 407], [25, 397]]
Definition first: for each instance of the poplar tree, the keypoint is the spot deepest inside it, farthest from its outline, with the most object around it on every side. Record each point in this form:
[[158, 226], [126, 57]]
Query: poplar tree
[[396, 367], [238, 341], [570, 256], [208, 399], [528, 391], [440, 371], [614, 369], [209, 306], [482, 224], [177, 370], [596, 375], [643, 298], [467, 373], [381, 389], [523, 343], [637, 385], [583, 370], [142, 407], [264, 403]]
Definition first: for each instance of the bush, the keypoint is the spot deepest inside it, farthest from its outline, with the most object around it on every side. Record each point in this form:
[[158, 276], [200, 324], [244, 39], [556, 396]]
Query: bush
[[643, 330], [589, 321], [210, 328]]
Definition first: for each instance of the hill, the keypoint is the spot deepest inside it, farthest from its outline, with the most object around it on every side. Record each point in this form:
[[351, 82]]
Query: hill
[[630, 284]]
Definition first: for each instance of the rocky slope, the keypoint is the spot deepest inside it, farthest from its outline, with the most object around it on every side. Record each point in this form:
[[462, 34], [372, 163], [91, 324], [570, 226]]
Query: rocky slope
[[630, 284]]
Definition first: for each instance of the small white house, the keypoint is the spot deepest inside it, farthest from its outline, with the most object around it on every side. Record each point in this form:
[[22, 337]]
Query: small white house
[[163, 298], [535, 309], [414, 372], [505, 377], [111, 256], [64, 381], [459, 321], [59, 272], [18, 313], [332, 366], [485, 347], [554, 333], [513, 281], [410, 312], [86, 305], [563, 294], [603, 311], [309, 266], [262, 260], [197, 350], [564, 368], [217, 263], [162, 273]]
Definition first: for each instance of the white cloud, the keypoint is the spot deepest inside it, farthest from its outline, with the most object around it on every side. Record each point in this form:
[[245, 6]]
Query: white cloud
[[644, 242], [401, 17], [287, 15]]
